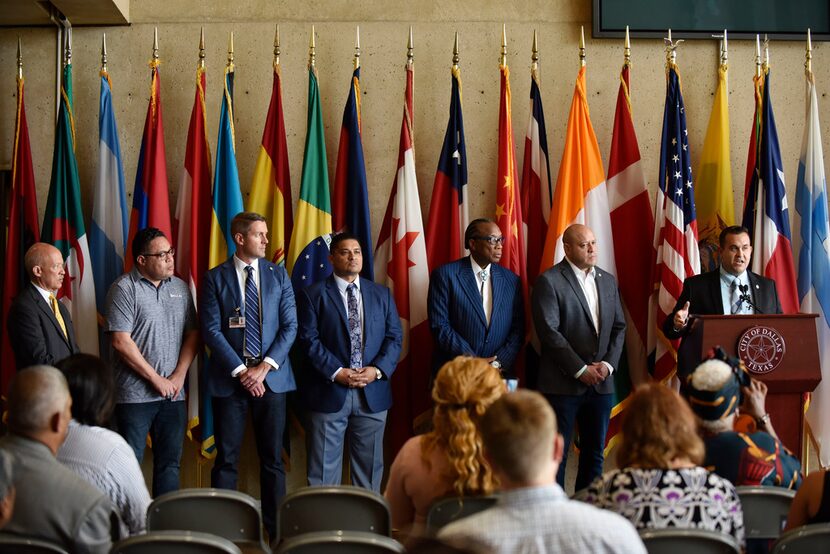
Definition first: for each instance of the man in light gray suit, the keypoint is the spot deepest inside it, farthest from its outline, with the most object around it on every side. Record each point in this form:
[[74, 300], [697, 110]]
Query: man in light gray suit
[[581, 326], [52, 503]]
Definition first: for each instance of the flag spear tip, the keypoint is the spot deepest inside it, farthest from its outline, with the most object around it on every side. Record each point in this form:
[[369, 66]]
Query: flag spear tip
[[311, 47], [627, 47], [230, 50], [808, 62], [357, 47], [455, 57], [202, 48], [724, 49], [503, 59], [19, 58], [155, 43], [277, 45], [757, 55], [104, 52], [410, 48], [582, 45]]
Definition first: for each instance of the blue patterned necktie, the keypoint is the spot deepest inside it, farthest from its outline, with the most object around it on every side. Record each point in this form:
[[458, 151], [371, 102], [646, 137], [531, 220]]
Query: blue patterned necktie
[[356, 350], [253, 338]]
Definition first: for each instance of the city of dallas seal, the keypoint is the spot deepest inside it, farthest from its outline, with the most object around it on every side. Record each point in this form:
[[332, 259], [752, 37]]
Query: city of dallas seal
[[761, 349]]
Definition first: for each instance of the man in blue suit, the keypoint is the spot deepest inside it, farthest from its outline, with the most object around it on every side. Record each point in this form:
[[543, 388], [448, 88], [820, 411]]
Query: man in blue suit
[[350, 331], [249, 323], [475, 306]]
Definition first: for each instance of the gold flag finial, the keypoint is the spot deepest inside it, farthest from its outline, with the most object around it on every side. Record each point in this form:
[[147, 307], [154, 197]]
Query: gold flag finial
[[671, 49], [155, 43], [277, 46], [766, 53], [202, 48], [67, 54], [757, 55], [534, 53], [724, 50], [357, 48], [455, 56], [410, 48], [230, 51], [503, 57], [627, 48], [311, 47], [808, 62], [582, 45], [19, 58]]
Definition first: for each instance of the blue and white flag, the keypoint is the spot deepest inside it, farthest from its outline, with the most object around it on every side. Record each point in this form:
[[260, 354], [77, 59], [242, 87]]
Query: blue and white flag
[[814, 263], [110, 219]]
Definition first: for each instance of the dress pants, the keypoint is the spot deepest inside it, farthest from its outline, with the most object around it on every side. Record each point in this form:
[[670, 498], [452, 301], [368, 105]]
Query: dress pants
[[327, 433], [590, 412], [268, 415]]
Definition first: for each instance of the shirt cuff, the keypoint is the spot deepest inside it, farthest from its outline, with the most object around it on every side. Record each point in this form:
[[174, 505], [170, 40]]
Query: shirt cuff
[[581, 371], [270, 361], [609, 366], [237, 370], [334, 375]]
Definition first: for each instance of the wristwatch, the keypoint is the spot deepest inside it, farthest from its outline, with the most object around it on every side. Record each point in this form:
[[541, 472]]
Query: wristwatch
[[496, 364], [378, 374]]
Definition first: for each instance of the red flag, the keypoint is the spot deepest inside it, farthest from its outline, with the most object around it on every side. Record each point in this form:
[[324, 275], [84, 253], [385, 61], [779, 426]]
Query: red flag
[[151, 204], [23, 227], [401, 264]]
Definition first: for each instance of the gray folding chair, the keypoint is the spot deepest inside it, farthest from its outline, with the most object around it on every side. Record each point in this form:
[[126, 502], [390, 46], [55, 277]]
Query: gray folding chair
[[688, 541], [447, 510], [229, 514], [340, 542], [809, 538], [765, 510], [16, 544], [340, 508], [175, 542]]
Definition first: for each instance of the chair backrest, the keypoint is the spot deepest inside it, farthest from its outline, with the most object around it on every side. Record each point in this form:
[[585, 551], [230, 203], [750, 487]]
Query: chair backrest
[[765, 510], [340, 508], [175, 542], [688, 541], [17, 544], [447, 510], [809, 538], [229, 514], [340, 542]]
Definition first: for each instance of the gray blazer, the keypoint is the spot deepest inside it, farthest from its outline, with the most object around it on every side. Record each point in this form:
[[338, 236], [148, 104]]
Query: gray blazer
[[566, 331], [53, 503]]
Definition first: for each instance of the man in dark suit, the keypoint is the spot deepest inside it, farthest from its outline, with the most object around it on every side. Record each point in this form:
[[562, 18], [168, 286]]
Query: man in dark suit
[[40, 327], [249, 323], [581, 327], [350, 331], [475, 306]]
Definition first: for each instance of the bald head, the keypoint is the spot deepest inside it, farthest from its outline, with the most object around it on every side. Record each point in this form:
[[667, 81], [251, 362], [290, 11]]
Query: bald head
[[580, 246], [44, 266], [37, 394]]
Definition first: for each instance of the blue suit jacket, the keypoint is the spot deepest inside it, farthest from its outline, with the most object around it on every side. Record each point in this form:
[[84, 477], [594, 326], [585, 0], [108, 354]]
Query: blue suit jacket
[[456, 315], [324, 339], [219, 301]]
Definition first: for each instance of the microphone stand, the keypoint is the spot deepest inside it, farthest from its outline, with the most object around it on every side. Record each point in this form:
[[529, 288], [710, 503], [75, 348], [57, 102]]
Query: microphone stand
[[746, 297]]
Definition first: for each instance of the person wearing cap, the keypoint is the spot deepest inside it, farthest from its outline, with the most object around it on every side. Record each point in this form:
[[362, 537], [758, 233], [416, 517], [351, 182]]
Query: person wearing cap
[[756, 458]]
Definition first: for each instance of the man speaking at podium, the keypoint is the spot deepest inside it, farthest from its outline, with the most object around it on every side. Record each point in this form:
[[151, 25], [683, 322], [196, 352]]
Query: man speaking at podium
[[730, 290]]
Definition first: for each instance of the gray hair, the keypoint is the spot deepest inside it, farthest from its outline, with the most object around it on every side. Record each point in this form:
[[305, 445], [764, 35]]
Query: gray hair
[[6, 473], [715, 426], [37, 393]]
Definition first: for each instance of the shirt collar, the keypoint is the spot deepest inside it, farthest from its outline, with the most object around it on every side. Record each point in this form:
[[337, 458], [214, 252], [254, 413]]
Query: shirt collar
[[342, 283], [240, 265], [477, 269], [727, 277], [136, 275], [43, 292], [581, 274]]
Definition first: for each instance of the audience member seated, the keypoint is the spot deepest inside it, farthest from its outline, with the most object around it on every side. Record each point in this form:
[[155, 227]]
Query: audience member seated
[[101, 456], [812, 501], [533, 514], [52, 502], [448, 460], [7, 491], [751, 458], [660, 483]]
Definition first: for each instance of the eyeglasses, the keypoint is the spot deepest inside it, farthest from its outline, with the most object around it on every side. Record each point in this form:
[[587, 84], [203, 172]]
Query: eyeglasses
[[160, 255], [490, 239]]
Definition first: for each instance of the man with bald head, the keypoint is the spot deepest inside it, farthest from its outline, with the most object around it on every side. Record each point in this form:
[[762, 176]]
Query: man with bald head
[[52, 502], [40, 327], [581, 326]]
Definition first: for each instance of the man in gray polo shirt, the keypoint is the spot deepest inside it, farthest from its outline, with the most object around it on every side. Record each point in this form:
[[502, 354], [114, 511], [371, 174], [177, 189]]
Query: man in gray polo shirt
[[151, 321]]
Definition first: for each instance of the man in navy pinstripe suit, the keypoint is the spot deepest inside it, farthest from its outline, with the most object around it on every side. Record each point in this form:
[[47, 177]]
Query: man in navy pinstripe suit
[[475, 306]]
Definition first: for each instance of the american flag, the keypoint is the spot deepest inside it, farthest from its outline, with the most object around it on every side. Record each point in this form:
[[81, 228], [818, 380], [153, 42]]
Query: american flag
[[676, 254]]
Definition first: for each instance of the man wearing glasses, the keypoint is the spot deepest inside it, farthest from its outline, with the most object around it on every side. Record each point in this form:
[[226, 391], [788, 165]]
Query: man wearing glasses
[[151, 322], [474, 305]]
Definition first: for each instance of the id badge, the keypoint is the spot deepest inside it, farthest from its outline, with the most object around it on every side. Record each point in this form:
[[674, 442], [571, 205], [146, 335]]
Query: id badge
[[236, 322]]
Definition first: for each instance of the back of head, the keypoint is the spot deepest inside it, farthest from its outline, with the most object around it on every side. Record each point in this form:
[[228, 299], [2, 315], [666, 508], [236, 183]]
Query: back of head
[[92, 388], [6, 473], [658, 428], [519, 432], [36, 394], [463, 389]]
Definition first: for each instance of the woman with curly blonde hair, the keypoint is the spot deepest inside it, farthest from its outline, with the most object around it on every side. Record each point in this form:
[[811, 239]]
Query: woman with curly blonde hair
[[449, 460]]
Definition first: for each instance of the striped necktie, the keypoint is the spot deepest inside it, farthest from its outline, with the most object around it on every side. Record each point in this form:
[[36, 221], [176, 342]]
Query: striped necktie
[[253, 337]]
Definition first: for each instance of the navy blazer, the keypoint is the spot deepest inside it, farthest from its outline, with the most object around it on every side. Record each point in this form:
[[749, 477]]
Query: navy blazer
[[324, 339], [457, 319], [219, 301], [34, 331]]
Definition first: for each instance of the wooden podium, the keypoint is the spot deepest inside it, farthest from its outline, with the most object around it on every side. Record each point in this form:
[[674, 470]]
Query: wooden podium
[[780, 350]]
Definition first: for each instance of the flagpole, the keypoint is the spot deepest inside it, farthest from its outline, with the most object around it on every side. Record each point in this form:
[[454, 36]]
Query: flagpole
[[19, 60], [805, 429]]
